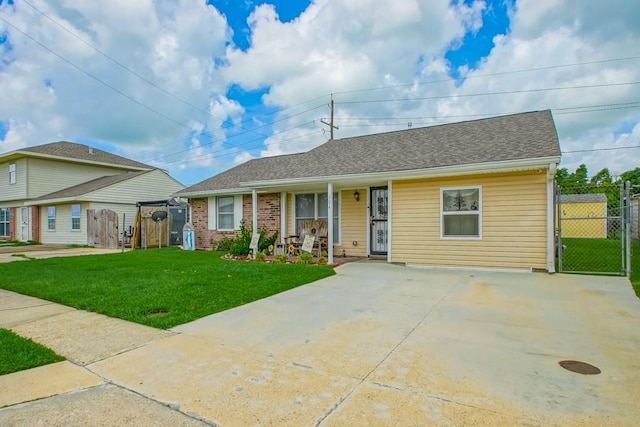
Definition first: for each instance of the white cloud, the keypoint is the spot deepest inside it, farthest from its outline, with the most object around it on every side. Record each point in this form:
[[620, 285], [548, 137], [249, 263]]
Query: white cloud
[[169, 43], [337, 46]]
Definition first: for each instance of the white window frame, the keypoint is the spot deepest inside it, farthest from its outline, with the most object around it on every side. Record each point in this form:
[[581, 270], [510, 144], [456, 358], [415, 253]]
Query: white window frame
[[76, 217], [51, 226], [4, 221], [12, 173], [337, 239], [213, 220], [477, 212], [222, 214]]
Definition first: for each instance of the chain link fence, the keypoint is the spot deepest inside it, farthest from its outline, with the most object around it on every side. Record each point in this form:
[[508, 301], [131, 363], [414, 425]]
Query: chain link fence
[[591, 229]]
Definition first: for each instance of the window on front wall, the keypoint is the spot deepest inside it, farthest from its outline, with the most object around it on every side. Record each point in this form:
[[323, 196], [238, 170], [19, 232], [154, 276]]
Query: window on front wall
[[314, 206], [12, 173], [75, 217], [4, 222], [461, 213], [225, 213], [51, 218]]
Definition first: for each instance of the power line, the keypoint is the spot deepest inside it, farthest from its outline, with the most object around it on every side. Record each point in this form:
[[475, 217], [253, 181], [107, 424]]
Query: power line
[[94, 77], [489, 75], [601, 149], [490, 93]]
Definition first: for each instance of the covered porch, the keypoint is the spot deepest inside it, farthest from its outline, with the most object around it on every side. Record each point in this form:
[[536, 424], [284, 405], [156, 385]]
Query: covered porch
[[357, 215]]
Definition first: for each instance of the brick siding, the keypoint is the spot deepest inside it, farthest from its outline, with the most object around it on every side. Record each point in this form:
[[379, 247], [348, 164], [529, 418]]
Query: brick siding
[[268, 217]]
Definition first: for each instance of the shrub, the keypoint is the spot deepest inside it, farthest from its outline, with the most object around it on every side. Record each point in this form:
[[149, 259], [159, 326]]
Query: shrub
[[266, 241], [322, 260], [224, 245], [261, 257], [281, 259], [304, 258], [242, 241]]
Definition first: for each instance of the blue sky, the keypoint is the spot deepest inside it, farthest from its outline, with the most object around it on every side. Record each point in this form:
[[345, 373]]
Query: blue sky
[[196, 88]]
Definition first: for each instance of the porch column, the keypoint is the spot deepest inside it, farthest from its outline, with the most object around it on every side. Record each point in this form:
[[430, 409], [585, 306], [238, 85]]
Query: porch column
[[254, 210], [330, 223], [389, 218], [283, 216]]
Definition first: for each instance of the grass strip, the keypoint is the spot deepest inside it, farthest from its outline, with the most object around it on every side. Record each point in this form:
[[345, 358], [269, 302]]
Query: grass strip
[[18, 353]]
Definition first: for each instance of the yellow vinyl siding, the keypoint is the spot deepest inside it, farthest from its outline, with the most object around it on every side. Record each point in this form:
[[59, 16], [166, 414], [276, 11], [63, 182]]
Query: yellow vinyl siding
[[584, 228], [19, 189], [47, 176], [63, 233], [514, 223], [154, 185], [353, 224]]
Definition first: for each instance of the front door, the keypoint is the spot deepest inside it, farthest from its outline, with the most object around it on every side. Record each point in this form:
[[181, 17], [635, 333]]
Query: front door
[[25, 226], [378, 220]]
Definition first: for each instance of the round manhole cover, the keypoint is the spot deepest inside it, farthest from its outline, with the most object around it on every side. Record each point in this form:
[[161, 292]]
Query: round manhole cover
[[579, 367]]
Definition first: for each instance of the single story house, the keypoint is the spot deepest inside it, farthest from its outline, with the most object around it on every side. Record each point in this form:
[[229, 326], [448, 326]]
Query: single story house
[[583, 216], [472, 194], [51, 193]]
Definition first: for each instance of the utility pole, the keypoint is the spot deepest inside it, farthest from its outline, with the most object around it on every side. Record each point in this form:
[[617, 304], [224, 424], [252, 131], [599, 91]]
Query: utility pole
[[330, 124]]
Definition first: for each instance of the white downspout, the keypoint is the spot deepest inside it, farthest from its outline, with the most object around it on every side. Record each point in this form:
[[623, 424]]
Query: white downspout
[[551, 261], [330, 223], [254, 210]]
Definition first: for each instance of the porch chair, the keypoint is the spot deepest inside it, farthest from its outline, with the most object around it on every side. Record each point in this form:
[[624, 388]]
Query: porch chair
[[315, 228]]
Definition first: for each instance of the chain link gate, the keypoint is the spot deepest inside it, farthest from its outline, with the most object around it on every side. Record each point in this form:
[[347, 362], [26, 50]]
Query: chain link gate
[[592, 223]]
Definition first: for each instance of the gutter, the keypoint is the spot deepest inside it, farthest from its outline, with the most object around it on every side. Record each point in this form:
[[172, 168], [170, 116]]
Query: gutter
[[444, 171]]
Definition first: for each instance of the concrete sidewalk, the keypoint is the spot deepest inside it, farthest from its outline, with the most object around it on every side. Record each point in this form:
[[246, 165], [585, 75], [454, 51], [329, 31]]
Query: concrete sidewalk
[[376, 344], [23, 253]]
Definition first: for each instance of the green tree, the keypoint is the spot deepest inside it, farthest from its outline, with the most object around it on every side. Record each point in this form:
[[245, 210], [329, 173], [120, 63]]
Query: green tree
[[633, 176], [602, 178]]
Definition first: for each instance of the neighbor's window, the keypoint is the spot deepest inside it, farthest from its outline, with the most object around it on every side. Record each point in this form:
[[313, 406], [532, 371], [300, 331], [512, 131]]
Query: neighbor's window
[[51, 218], [12, 173], [225, 213], [75, 217], [461, 212], [4, 222], [314, 206]]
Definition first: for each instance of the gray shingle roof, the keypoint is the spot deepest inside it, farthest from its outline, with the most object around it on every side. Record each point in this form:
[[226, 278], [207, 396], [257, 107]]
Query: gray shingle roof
[[89, 186], [583, 198], [505, 138], [72, 150]]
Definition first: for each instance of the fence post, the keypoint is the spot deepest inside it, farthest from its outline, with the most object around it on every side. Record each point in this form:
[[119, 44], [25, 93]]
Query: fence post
[[124, 232], [559, 232], [627, 225]]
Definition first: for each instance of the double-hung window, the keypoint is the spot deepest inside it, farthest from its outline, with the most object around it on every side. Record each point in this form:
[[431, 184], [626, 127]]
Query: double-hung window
[[315, 206], [225, 213], [51, 218], [461, 213], [75, 217], [4, 222], [12, 173]]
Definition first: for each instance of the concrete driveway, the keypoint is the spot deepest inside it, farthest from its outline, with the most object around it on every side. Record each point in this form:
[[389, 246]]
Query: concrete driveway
[[376, 344]]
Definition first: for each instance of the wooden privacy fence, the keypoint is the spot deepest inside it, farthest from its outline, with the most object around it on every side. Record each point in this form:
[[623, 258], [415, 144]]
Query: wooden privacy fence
[[146, 232], [102, 228]]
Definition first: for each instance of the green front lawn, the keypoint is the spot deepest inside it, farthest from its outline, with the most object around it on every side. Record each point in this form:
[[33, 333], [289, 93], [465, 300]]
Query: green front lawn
[[155, 287], [17, 353], [635, 266]]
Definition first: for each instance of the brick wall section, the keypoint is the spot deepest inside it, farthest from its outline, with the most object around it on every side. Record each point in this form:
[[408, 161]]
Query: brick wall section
[[35, 223], [268, 216]]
